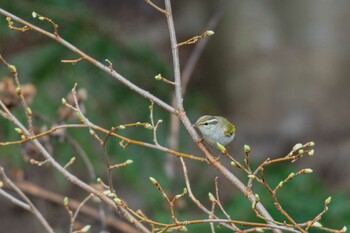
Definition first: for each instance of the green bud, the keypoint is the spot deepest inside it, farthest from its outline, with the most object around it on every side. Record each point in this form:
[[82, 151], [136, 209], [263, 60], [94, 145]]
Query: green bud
[[154, 181], [233, 164], [301, 151], [257, 198], [80, 117], [65, 201], [148, 126], [158, 77], [64, 102], [112, 195], [317, 224], [18, 90], [291, 175], [183, 229], [246, 148], [107, 192], [210, 33], [41, 18], [18, 130], [328, 200], [344, 229], [121, 127], [311, 152], [86, 228], [131, 220], [311, 144], [280, 184], [221, 148], [178, 196], [185, 191], [254, 205], [12, 68], [251, 176], [117, 201], [99, 180], [297, 146], [29, 112], [34, 15], [307, 171], [92, 132], [72, 160], [129, 161], [211, 197], [258, 229]]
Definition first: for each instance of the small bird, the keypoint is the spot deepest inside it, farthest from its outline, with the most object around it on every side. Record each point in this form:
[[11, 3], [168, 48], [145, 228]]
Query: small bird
[[216, 129]]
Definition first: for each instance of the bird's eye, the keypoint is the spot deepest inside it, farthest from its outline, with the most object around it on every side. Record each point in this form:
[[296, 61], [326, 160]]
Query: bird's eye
[[206, 123]]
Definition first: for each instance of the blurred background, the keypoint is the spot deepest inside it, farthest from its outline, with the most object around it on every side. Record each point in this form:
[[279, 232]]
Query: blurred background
[[277, 69]]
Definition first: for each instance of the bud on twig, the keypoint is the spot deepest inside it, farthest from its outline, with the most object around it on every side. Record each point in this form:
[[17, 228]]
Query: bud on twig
[[148, 126], [154, 181], [257, 198], [210, 32], [328, 200], [18, 130], [65, 201], [183, 229], [251, 176], [221, 148], [246, 148], [297, 146], [317, 224], [86, 228], [12, 68], [311, 152], [211, 197], [306, 171], [29, 111], [158, 77], [117, 201], [18, 90]]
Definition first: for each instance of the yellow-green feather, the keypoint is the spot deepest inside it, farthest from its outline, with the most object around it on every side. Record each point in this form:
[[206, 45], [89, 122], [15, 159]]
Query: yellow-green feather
[[229, 128]]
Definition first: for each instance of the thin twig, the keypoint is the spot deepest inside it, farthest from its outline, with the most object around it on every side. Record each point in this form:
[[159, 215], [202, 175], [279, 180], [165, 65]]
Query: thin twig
[[93, 61], [70, 176], [31, 206]]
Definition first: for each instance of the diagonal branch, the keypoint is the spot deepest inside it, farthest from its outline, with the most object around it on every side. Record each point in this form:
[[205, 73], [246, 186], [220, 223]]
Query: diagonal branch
[[186, 122], [93, 61]]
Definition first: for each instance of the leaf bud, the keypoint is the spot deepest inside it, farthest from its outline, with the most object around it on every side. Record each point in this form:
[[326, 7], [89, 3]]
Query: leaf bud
[[221, 148], [18, 90], [117, 201], [154, 181], [246, 148], [210, 32], [311, 152], [158, 77], [65, 201], [86, 228]]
